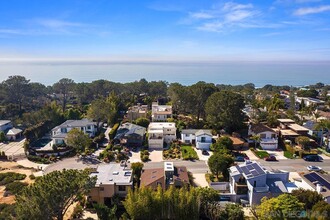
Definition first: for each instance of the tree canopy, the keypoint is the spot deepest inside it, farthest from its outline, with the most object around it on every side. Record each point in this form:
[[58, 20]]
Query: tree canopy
[[51, 195], [219, 163], [224, 110], [78, 140], [279, 208]]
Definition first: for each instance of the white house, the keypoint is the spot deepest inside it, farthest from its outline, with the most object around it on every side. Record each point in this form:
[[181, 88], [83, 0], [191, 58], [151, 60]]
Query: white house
[[317, 182], [11, 133], [199, 137], [251, 182], [268, 137], [59, 133], [160, 112], [160, 133], [309, 101]]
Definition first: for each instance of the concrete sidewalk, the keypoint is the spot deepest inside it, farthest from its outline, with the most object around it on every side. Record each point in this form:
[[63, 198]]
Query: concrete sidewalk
[[251, 155]]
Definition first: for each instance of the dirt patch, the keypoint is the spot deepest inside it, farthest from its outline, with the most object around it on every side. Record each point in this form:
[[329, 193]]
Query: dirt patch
[[6, 167]]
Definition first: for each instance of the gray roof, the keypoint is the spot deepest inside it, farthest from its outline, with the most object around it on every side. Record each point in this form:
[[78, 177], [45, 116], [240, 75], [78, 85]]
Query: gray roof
[[75, 124], [128, 129], [197, 131], [113, 174], [3, 122], [14, 131], [202, 132], [276, 185]]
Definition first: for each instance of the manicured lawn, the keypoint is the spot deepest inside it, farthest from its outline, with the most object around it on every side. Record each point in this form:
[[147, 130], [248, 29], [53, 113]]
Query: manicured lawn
[[188, 153], [261, 154], [287, 154]]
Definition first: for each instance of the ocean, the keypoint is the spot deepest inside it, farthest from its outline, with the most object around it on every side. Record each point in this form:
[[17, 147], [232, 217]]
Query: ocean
[[234, 73]]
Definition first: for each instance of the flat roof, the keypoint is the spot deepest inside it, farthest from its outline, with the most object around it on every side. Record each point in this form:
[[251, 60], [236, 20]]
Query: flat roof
[[113, 173], [288, 132], [297, 127], [161, 125], [285, 120]]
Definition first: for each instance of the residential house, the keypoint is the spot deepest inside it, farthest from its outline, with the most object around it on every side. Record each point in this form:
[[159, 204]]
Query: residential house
[[309, 101], [251, 182], [200, 137], [289, 130], [268, 137], [160, 133], [130, 135], [137, 111], [169, 175], [317, 182], [160, 112], [310, 125], [112, 179], [60, 132], [8, 129]]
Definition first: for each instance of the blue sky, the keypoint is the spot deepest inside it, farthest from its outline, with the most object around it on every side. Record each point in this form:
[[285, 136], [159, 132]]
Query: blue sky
[[168, 30]]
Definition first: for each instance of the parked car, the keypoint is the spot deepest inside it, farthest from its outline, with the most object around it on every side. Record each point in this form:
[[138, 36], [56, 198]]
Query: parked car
[[313, 158], [204, 152], [313, 168], [270, 158], [239, 159]]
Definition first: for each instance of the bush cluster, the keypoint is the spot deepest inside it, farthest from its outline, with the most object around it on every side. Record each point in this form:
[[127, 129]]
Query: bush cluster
[[144, 155], [10, 177]]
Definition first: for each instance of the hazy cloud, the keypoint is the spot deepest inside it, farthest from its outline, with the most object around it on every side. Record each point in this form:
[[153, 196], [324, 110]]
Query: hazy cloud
[[311, 10]]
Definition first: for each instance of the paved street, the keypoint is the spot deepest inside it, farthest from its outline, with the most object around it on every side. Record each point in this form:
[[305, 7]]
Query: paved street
[[294, 165], [196, 167]]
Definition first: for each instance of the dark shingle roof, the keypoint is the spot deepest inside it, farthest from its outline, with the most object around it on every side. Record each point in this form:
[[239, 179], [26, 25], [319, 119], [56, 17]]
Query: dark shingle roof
[[259, 128]]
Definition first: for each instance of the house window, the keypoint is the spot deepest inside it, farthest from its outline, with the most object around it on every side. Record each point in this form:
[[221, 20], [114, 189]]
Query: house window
[[63, 130], [273, 135], [89, 127], [122, 188], [203, 139], [101, 188], [187, 135], [262, 136]]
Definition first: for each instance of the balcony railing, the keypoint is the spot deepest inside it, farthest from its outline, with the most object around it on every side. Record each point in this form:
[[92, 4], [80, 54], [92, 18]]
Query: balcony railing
[[268, 140]]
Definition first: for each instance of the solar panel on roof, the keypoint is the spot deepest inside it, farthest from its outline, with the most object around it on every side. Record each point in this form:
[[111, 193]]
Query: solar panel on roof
[[250, 167], [321, 180], [258, 169], [245, 170], [254, 173]]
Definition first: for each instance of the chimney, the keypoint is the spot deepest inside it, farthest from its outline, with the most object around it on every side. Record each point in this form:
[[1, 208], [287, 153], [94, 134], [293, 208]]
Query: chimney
[[319, 188]]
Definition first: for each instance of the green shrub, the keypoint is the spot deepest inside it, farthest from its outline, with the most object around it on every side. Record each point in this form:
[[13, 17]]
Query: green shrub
[[15, 187], [117, 147], [32, 177], [145, 158], [10, 177], [113, 131], [144, 155], [99, 139], [38, 159]]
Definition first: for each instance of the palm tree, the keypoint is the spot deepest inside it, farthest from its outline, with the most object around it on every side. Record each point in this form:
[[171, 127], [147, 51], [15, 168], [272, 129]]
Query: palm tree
[[323, 124], [256, 139]]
